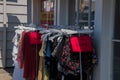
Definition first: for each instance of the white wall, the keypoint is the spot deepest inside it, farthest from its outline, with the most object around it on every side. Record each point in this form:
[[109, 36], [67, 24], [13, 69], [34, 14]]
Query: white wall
[[16, 12]]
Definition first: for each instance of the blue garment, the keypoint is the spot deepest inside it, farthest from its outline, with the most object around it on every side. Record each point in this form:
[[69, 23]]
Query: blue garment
[[47, 57], [48, 49]]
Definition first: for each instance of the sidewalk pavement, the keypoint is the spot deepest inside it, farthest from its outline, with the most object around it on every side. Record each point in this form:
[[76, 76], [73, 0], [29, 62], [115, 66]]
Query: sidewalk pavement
[[6, 74]]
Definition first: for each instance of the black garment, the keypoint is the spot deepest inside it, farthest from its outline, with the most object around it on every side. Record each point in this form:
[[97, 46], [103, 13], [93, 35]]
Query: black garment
[[58, 47], [53, 69], [77, 77]]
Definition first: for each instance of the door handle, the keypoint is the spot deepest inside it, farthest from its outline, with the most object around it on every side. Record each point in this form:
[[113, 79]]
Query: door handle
[[116, 40]]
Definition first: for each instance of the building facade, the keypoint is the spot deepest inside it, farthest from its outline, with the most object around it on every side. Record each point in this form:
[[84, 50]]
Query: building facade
[[12, 13], [106, 29]]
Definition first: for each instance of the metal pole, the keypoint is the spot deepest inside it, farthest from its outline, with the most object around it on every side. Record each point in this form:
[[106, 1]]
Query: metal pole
[[55, 12], [4, 33], [32, 21], [89, 14], [81, 76], [78, 13], [77, 10]]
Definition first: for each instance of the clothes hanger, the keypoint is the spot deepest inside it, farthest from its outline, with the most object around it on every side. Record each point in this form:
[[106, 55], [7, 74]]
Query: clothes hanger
[[69, 31], [51, 33]]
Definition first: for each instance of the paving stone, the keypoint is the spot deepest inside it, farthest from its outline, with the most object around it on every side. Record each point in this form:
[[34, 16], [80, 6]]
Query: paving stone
[[6, 74]]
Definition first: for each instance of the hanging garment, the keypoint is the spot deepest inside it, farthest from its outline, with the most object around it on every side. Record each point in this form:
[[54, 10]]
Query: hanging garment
[[43, 72], [47, 60], [53, 69], [84, 43], [56, 52], [77, 77], [21, 50], [74, 41], [47, 66], [52, 46], [28, 57], [72, 77], [68, 60], [18, 72], [41, 62], [15, 46], [81, 43], [40, 70], [35, 38]]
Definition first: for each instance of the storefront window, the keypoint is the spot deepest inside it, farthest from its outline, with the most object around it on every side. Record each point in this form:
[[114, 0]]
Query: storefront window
[[47, 13], [81, 13], [87, 11]]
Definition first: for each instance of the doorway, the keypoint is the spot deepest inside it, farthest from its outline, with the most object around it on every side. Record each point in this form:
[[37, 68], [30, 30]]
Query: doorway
[[116, 43]]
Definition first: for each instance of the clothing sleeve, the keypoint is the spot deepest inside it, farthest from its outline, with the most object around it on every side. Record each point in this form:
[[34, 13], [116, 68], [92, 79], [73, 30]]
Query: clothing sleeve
[[58, 49], [21, 50]]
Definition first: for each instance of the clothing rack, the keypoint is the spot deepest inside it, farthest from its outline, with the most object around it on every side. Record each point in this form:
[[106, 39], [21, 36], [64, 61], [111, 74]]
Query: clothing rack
[[64, 29], [31, 27], [70, 32], [60, 30]]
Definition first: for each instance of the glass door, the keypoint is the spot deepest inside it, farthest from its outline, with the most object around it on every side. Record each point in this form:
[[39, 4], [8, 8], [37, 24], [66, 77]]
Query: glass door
[[116, 43]]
